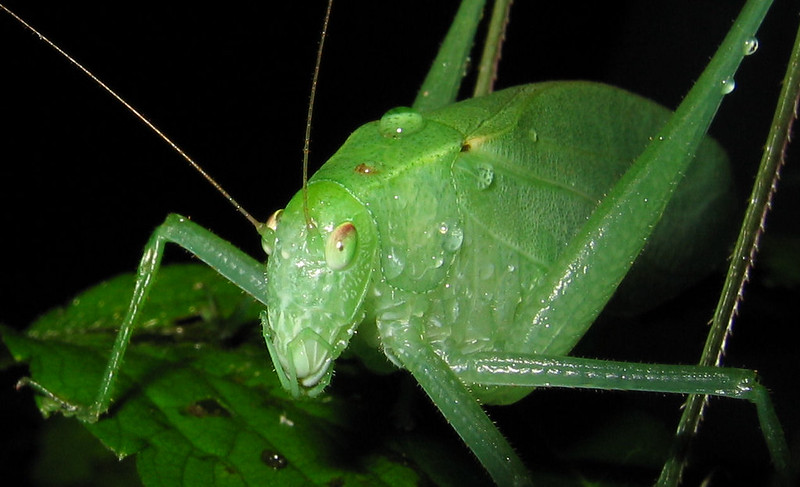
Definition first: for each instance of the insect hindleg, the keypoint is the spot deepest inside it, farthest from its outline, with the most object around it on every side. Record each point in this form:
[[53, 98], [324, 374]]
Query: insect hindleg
[[538, 371]]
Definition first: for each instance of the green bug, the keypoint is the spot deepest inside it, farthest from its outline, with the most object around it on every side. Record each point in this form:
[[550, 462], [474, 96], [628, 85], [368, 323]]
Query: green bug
[[486, 175], [458, 246]]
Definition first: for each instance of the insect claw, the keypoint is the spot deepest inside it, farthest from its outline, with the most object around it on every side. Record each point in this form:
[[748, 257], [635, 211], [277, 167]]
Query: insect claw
[[64, 407]]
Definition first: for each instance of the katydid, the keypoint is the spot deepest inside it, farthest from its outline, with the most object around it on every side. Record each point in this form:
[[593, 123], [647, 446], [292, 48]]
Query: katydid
[[289, 366]]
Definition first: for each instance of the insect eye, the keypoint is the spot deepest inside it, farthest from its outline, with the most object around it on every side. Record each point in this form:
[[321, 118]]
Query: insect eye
[[341, 246], [268, 233]]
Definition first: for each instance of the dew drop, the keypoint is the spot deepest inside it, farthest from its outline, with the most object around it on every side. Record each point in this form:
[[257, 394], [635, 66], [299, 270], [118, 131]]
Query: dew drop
[[206, 408], [750, 46], [274, 459], [284, 420], [452, 237], [728, 85], [485, 175], [467, 66], [393, 266], [533, 135], [400, 122]]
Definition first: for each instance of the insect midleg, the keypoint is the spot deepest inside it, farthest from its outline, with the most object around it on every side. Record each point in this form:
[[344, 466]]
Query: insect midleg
[[456, 404], [441, 84], [440, 87]]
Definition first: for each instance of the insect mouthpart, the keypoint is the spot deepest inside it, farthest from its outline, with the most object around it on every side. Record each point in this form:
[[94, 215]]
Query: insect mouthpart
[[304, 364], [310, 358]]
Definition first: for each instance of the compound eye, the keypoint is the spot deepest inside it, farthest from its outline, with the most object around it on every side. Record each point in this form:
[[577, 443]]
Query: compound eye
[[268, 235], [341, 246]]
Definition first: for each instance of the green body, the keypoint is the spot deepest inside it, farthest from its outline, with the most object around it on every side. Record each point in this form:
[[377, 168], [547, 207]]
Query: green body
[[467, 212]]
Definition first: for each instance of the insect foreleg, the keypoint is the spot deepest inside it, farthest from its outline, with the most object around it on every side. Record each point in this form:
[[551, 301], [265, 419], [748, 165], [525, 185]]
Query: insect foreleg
[[232, 263]]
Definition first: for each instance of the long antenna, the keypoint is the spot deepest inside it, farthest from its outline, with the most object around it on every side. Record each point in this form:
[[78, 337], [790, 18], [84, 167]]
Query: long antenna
[[141, 117], [307, 141]]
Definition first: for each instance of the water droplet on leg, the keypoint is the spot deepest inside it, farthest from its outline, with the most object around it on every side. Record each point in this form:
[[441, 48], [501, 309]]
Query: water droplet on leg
[[750, 46], [728, 85]]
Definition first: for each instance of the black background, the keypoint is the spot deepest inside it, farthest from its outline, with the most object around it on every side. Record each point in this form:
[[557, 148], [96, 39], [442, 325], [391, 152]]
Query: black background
[[83, 183]]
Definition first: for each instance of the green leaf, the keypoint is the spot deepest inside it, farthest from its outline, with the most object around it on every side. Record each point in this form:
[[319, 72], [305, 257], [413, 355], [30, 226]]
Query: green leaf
[[198, 402]]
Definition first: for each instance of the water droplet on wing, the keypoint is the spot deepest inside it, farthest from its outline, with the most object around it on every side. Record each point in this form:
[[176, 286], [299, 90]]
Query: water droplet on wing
[[452, 235], [485, 175]]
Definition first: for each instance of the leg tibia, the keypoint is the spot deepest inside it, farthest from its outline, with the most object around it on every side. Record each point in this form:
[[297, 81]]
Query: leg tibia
[[541, 371], [226, 259]]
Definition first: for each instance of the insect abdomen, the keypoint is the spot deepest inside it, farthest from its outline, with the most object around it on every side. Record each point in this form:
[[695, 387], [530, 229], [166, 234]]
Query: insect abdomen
[[533, 170]]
